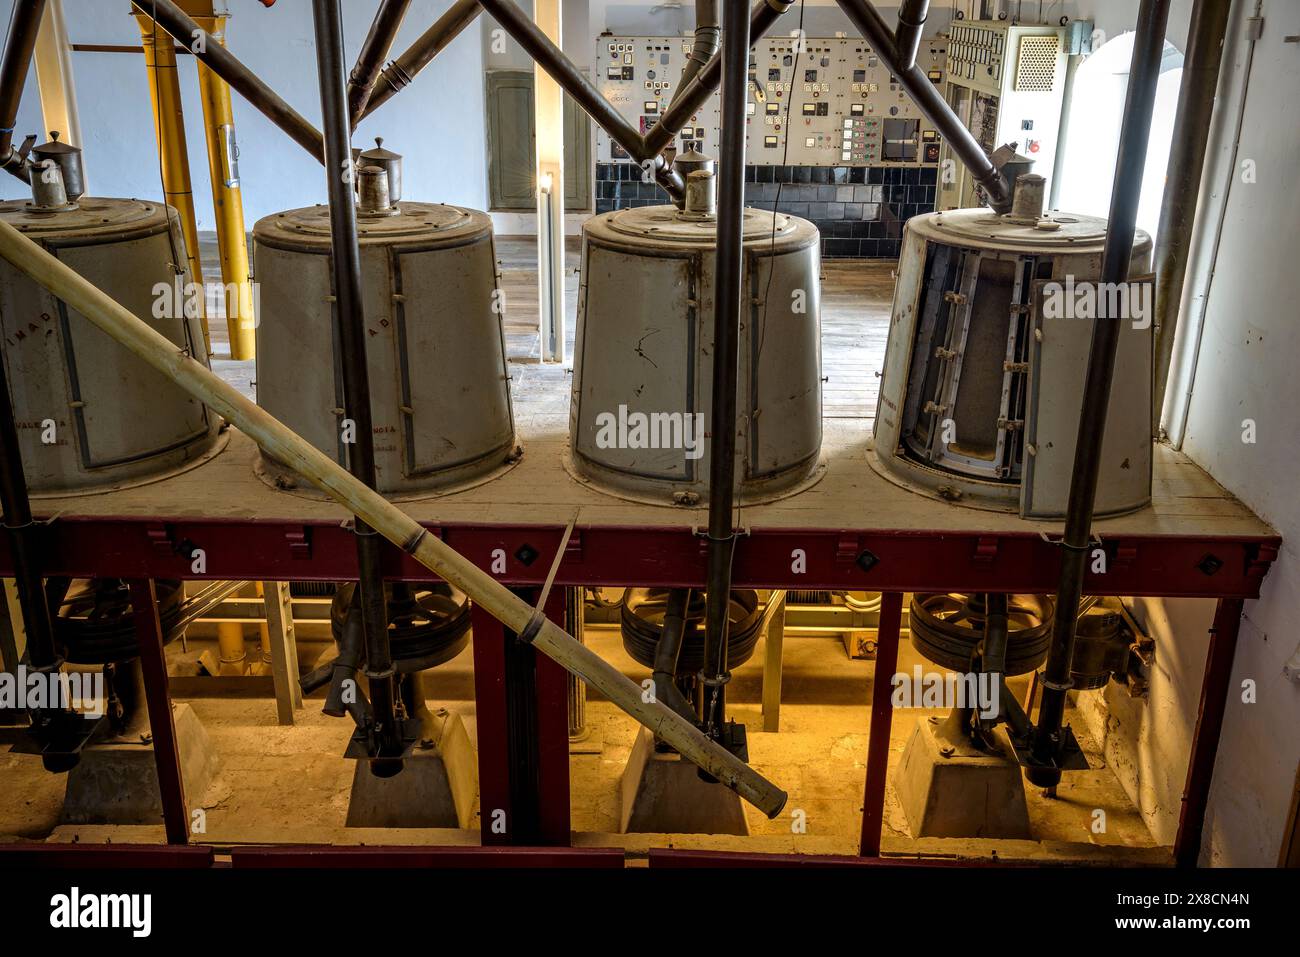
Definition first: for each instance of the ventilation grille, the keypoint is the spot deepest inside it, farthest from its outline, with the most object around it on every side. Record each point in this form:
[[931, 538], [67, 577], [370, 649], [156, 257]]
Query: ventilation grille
[[1036, 64]]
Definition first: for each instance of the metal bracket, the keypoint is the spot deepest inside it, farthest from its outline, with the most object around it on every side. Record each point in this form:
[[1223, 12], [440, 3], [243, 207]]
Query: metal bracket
[[1259, 559], [299, 540], [986, 550], [160, 537], [1071, 756]]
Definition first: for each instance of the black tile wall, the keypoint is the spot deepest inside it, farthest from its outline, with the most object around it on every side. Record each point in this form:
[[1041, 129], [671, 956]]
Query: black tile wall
[[860, 211]]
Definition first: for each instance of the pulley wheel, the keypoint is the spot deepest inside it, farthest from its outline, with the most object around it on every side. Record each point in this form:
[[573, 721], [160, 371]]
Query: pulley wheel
[[642, 620], [948, 627], [93, 618], [428, 623]]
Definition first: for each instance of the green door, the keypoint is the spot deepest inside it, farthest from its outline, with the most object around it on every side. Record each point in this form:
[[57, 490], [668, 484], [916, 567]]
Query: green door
[[512, 145]]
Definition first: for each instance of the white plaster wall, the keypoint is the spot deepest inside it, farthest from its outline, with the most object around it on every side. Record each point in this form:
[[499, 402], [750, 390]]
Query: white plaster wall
[[1247, 370], [1147, 741]]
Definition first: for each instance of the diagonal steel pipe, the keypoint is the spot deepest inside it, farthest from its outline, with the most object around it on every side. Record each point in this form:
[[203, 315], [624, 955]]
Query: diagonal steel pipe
[[226, 65], [383, 31], [399, 74]]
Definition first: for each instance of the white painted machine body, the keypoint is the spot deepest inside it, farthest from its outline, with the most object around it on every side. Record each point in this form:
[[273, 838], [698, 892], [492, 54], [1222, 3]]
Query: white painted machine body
[[643, 355], [91, 415], [440, 397], [984, 372]]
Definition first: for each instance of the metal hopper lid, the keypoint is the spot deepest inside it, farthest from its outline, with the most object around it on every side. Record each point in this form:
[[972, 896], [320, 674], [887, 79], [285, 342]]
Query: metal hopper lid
[[378, 156]]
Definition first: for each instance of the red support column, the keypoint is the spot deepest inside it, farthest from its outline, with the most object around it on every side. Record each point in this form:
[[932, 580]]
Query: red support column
[[1209, 724], [553, 738], [882, 719], [153, 664], [521, 708], [495, 812]]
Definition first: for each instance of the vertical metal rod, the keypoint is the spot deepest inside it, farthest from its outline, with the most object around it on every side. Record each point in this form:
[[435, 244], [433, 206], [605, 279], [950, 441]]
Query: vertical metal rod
[[727, 282], [882, 722], [907, 35], [383, 30], [356, 374], [1209, 725], [41, 653], [1121, 226], [153, 667], [24, 26], [1183, 180], [694, 94]]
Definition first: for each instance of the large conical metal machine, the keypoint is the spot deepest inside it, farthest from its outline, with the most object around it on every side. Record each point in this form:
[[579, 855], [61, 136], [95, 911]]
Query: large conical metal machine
[[435, 346], [91, 415], [988, 346], [642, 377]]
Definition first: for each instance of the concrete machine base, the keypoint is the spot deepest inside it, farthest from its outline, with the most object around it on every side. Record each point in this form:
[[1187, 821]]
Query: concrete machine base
[[116, 780], [947, 788], [437, 787], [663, 794]]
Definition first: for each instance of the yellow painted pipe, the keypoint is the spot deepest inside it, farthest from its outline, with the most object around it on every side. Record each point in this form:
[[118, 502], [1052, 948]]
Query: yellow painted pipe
[[283, 445], [227, 197], [232, 655], [263, 665], [169, 127]]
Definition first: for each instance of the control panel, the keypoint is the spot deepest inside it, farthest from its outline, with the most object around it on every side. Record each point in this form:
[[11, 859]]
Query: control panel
[[830, 101], [835, 103], [640, 75], [1006, 83]]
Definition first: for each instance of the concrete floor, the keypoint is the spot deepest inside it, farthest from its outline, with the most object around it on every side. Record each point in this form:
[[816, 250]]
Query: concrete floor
[[291, 784]]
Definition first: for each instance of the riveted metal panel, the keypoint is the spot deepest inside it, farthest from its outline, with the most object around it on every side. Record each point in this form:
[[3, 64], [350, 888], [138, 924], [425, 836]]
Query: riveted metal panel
[[439, 394], [113, 419], [644, 347]]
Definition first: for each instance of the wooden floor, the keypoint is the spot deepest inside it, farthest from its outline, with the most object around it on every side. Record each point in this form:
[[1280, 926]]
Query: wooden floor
[[539, 490]]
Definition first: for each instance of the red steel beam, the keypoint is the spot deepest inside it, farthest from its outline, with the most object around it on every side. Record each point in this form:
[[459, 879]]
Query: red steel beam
[[369, 856], [1215, 687], [882, 720], [32, 856], [153, 662], [546, 819], [1171, 566], [666, 857]]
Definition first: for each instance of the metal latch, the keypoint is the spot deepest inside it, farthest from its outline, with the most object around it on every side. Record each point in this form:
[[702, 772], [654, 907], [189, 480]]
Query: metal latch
[[229, 154]]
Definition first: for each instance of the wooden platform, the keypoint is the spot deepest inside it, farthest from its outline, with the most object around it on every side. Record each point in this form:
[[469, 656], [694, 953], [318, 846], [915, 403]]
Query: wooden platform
[[857, 529], [540, 491]]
